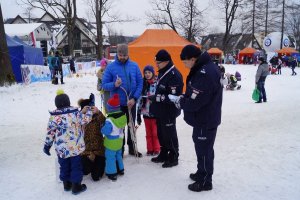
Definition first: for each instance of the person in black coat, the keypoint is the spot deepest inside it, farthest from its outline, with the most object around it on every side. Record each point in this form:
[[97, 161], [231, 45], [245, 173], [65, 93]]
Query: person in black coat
[[201, 104], [169, 82]]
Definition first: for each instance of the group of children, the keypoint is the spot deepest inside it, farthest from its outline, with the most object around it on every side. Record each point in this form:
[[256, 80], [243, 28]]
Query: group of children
[[86, 141], [230, 81]]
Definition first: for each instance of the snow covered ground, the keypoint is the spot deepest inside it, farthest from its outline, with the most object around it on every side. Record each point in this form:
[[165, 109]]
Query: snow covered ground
[[257, 147]]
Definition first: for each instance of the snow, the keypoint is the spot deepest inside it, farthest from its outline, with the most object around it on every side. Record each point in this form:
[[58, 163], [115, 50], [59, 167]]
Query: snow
[[256, 151]]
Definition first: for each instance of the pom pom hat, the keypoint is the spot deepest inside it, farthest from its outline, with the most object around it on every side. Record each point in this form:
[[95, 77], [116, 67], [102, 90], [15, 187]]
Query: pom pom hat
[[113, 104], [62, 100]]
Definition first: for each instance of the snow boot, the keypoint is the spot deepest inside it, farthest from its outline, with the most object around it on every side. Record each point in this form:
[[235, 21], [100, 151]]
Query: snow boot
[[121, 172], [112, 177], [78, 188], [198, 187], [162, 156], [172, 160], [193, 176], [67, 185]]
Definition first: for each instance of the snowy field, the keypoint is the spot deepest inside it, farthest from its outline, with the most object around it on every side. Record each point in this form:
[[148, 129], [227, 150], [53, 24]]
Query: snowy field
[[257, 149]]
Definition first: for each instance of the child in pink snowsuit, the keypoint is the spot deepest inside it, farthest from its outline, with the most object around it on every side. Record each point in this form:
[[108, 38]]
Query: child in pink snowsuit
[[149, 87]]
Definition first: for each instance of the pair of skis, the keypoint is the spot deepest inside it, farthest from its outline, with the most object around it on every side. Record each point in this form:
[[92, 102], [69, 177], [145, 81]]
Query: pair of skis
[[132, 127]]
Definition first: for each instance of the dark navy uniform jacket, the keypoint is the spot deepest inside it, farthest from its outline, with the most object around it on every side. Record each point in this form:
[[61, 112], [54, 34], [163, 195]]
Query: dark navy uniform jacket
[[169, 82], [202, 101]]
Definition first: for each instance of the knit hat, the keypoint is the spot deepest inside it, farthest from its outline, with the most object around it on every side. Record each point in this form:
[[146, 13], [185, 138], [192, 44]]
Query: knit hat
[[83, 102], [148, 68], [162, 55], [87, 102], [190, 51], [122, 49], [113, 104], [103, 62], [62, 100]]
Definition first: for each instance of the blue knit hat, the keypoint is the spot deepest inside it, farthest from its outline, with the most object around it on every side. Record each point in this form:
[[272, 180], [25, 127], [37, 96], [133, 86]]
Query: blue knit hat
[[149, 68], [113, 104]]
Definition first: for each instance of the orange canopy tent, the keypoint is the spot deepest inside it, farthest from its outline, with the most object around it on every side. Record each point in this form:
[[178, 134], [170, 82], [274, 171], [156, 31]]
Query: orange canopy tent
[[144, 48], [287, 51], [215, 53], [246, 52]]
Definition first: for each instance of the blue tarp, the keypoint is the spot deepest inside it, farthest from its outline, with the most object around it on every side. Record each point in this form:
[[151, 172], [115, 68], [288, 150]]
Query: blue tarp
[[20, 53]]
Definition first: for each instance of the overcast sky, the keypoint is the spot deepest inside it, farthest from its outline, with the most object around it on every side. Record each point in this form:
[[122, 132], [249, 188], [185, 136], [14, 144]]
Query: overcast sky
[[134, 8]]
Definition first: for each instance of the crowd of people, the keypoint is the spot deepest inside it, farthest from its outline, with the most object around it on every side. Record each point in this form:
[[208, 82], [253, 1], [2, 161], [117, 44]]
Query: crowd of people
[[92, 141]]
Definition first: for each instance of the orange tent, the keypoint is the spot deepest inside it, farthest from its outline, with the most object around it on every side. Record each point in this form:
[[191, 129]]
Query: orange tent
[[287, 51], [246, 52], [144, 48], [215, 53]]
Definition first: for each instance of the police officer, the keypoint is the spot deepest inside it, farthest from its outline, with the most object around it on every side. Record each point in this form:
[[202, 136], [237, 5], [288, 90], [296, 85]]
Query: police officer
[[169, 82], [201, 104]]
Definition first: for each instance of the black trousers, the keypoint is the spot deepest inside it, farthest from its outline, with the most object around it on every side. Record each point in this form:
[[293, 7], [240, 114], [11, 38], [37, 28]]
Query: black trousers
[[167, 135], [96, 168], [133, 113], [204, 140]]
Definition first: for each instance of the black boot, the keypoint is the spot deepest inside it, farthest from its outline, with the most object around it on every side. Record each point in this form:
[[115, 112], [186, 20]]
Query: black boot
[[171, 161], [193, 176], [78, 188], [112, 177], [67, 185], [132, 153], [162, 156], [198, 187]]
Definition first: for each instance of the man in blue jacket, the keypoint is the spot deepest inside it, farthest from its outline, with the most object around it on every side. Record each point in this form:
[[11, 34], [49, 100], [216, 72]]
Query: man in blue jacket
[[124, 73], [201, 104]]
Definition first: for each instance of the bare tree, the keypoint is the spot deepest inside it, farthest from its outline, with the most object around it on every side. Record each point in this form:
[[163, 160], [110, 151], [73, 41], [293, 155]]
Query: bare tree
[[103, 13], [6, 72], [230, 8], [28, 13], [293, 22], [187, 20], [163, 14], [65, 8], [191, 22]]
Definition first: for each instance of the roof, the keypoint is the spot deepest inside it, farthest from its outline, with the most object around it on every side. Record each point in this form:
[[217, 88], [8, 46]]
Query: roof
[[214, 51], [159, 37], [287, 50], [20, 29], [248, 50]]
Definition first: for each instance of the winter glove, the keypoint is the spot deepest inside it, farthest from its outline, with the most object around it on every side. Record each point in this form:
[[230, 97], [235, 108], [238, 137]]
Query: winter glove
[[138, 118], [175, 100], [92, 100], [47, 150]]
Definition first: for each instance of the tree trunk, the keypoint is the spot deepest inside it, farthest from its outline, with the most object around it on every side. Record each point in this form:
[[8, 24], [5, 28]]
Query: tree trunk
[[282, 23], [253, 20], [266, 23], [99, 25], [6, 72]]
